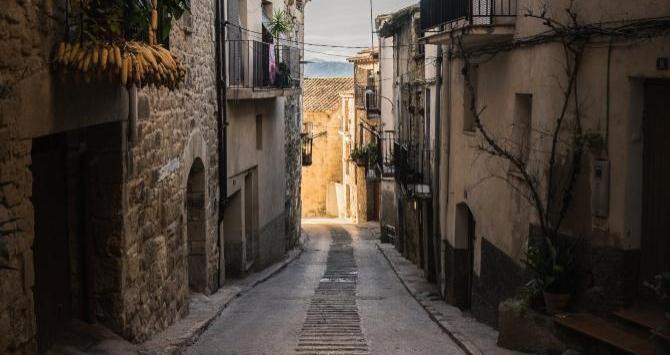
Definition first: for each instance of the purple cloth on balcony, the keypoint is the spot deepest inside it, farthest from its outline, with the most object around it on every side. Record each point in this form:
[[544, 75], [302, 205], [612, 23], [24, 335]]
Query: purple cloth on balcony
[[273, 64]]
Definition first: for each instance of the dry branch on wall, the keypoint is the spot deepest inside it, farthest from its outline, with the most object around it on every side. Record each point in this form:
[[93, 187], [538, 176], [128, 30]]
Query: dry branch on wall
[[552, 199]]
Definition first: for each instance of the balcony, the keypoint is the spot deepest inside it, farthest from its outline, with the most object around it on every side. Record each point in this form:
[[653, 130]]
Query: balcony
[[387, 145], [367, 98], [257, 70], [412, 165], [480, 22]]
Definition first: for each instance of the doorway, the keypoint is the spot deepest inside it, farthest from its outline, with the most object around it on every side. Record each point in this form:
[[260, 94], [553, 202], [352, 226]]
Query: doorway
[[464, 255], [655, 239], [76, 189], [196, 228], [250, 219], [51, 252]]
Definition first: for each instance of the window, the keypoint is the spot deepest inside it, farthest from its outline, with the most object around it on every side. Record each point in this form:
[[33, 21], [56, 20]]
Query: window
[[346, 115], [420, 47], [259, 132], [469, 91], [346, 159], [427, 118], [521, 127]]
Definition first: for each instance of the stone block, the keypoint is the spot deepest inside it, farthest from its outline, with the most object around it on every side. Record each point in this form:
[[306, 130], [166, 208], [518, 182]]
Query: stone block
[[11, 194], [524, 330], [143, 107]]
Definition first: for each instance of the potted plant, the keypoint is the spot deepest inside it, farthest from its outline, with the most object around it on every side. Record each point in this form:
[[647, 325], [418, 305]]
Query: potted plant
[[372, 154], [359, 156], [552, 264], [280, 24], [283, 76], [661, 287]]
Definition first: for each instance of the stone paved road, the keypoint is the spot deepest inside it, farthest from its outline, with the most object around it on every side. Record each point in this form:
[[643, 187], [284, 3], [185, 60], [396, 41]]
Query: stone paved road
[[311, 306]]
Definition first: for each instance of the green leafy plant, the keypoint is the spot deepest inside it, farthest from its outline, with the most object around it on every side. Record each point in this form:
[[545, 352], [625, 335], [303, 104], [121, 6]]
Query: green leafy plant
[[369, 154], [661, 287], [358, 154], [109, 20], [283, 76], [552, 263], [280, 24], [372, 154]]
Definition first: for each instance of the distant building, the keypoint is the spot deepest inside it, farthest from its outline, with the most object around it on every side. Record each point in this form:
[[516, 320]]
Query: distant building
[[364, 132], [327, 104], [408, 118]]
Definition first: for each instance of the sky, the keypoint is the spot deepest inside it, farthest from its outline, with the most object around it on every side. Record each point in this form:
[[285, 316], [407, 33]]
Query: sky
[[342, 22]]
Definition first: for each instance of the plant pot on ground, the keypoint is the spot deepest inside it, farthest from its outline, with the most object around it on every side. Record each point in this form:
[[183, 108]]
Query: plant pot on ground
[[556, 303], [661, 288], [553, 268]]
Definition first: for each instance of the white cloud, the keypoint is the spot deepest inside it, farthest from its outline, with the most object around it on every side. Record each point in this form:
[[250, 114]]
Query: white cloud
[[344, 23]]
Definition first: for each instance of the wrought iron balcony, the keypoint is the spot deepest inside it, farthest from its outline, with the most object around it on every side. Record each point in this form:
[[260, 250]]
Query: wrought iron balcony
[[367, 97], [387, 145], [413, 168], [262, 66], [472, 12]]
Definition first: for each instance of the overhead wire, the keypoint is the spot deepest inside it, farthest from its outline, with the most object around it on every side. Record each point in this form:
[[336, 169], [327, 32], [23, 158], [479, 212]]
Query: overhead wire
[[326, 45]]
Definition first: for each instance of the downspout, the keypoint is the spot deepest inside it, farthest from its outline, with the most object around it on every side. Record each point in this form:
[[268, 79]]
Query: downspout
[[447, 145], [437, 240], [220, 57]]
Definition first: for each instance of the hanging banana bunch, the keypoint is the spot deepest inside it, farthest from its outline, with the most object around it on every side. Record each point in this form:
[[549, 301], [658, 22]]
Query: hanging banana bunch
[[128, 63]]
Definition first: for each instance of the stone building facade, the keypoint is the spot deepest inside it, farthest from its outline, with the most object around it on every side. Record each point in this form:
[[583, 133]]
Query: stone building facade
[[109, 197], [323, 191], [263, 128], [352, 188], [408, 103], [365, 130], [485, 223]]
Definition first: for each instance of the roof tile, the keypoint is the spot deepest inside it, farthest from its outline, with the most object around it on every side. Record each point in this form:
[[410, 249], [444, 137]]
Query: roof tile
[[323, 94]]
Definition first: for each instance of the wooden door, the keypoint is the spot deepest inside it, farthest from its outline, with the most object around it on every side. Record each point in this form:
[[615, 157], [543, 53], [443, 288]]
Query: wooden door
[[655, 244], [51, 245], [471, 259]]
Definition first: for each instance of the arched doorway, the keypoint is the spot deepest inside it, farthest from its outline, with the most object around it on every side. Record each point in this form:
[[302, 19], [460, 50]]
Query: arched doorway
[[196, 227], [465, 241]]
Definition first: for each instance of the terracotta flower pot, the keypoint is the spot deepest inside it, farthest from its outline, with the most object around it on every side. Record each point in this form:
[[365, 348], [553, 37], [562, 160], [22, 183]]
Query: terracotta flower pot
[[556, 303], [361, 162]]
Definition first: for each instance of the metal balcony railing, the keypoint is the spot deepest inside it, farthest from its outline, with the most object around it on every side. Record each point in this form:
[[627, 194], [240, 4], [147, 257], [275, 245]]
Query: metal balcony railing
[[413, 168], [475, 12], [259, 65], [367, 97], [387, 144]]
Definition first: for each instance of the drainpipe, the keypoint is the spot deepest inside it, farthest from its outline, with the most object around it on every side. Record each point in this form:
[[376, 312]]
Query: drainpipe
[[447, 136], [437, 240], [220, 57]]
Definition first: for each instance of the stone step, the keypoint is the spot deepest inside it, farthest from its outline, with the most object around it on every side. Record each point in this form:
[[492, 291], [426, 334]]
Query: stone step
[[606, 332]]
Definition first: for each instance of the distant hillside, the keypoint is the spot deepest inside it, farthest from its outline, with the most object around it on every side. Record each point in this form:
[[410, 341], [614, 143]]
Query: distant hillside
[[320, 69]]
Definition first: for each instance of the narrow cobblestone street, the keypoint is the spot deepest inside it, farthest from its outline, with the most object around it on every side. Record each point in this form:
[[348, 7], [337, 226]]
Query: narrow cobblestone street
[[340, 296]]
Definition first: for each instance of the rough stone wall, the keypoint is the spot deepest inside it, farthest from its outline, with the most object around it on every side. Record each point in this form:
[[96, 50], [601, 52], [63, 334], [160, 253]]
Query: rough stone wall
[[26, 37], [174, 129], [147, 288], [293, 147], [326, 168]]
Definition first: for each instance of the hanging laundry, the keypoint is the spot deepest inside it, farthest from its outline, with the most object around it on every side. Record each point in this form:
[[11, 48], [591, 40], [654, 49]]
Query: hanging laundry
[[273, 64]]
